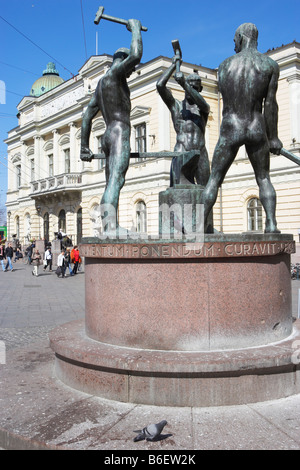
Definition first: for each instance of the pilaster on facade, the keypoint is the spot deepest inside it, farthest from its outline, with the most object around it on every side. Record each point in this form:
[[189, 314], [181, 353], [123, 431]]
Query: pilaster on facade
[[73, 130], [38, 164], [56, 160], [294, 91]]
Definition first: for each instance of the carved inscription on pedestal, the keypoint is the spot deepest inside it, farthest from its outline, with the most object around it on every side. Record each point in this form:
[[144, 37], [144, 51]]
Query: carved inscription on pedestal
[[186, 250]]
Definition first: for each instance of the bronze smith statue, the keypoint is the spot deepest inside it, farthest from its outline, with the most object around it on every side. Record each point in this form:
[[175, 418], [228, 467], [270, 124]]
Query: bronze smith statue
[[248, 83], [189, 119], [112, 98]]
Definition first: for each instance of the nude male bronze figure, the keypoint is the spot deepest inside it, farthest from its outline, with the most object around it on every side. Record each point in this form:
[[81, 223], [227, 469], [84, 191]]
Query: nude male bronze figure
[[248, 83]]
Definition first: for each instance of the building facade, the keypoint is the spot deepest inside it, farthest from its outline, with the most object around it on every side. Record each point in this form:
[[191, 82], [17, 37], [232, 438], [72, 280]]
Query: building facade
[[50, 188]]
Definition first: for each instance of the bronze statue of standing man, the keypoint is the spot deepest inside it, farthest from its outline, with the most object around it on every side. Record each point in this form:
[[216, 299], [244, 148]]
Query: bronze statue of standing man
[[112, 98], [189, 119], [248, 83]]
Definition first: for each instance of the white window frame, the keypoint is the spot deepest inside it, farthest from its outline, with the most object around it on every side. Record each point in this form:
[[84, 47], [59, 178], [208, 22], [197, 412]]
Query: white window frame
[[141, 216], [19, 175], [139, 115], [50, 157], [255, 220], [67, 160], [32, 169]]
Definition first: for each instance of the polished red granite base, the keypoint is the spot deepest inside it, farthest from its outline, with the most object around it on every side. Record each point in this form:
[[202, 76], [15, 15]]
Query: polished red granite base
[[176, 296], [183, 324], [173, 378]]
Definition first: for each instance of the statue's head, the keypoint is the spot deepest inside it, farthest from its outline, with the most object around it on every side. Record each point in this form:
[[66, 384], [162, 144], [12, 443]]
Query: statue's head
[[194, 81], [121, 53], [245, 36]]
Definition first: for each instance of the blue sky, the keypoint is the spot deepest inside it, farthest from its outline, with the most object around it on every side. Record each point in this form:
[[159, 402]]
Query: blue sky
[[63, 31]]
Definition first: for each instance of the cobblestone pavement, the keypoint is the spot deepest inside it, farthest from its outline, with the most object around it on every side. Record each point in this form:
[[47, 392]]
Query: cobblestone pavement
[[32, 306], [37, 410]]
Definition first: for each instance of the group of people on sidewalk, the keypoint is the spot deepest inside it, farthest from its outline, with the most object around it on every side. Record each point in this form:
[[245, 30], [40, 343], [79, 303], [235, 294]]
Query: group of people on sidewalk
[[68, 258], [65, 260]]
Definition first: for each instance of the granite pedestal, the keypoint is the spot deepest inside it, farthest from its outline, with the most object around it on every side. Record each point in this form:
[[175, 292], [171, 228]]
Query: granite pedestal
[[180, 211], [183, 323]]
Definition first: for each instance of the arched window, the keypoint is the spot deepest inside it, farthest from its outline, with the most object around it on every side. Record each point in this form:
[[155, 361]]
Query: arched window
[[254, 209], [141, 217], [62, 221], [27, 228], [46, 226], [95, 215], [101, 161], [19, 176]]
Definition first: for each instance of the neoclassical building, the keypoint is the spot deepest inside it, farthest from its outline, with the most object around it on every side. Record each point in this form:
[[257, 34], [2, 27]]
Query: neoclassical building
[[49, 187]]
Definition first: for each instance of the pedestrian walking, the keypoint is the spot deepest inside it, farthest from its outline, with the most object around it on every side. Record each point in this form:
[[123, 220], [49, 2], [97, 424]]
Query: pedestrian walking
[[9, 252], [29, 251], [36, 260], [48, 259], [76, 259], [68, 261], [2, 257], [18, 255], [61, 264]]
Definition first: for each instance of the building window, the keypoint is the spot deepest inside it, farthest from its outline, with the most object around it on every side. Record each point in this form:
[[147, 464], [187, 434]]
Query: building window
[[254, 209], [101, 162], [62, 221], [140, 138], [67, 161], [32, 169], [51, 172], [27, 231], [18, 169], [96, 220], [141, 217]]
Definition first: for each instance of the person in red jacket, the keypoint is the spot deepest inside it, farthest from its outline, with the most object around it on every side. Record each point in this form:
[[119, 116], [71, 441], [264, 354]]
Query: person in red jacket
[[76, 257]]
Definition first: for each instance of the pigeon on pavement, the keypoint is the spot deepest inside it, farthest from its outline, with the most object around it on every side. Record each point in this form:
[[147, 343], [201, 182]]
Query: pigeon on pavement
[[150, 432]]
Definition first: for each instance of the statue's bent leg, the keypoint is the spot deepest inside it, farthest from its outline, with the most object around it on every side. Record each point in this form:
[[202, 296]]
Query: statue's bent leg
[[260, 160], [222, 159], [118, 162], [203, 170]]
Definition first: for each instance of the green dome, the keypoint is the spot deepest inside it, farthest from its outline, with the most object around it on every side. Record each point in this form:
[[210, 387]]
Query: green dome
[[49, 80]]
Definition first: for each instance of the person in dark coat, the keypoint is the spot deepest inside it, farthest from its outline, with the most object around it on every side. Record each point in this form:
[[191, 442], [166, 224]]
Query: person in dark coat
[[9, 252]]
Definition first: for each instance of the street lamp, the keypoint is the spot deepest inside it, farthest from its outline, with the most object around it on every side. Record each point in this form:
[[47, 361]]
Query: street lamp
[[38, 208], [8, 234]]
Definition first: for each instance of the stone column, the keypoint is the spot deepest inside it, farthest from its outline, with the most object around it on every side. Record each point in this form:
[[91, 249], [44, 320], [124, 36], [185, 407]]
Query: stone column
[[39, 173], [164, 126], [24, 177], [56, 168], [73, 129], [294, 89]]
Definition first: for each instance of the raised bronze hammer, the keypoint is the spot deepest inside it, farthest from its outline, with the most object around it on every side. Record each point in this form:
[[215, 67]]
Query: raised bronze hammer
[[178, 53], [100, 15]]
